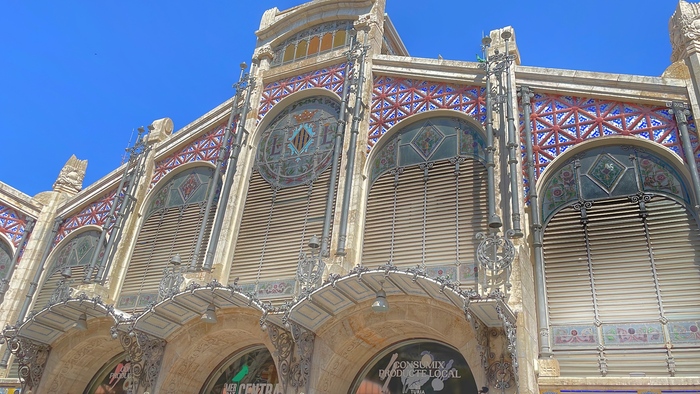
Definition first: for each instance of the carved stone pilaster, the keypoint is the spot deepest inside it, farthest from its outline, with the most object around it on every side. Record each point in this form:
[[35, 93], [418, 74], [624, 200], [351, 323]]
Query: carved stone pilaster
[[364, 22], [145, 353]]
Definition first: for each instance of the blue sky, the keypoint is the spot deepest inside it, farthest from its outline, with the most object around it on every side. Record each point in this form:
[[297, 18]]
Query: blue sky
[[77, 77]]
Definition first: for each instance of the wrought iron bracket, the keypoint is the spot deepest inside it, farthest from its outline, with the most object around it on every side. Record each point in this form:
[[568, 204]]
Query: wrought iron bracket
[[145, 353], [31, 357]]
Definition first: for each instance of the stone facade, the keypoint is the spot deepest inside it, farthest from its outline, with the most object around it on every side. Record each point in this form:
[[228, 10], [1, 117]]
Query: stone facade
[[251, 230]]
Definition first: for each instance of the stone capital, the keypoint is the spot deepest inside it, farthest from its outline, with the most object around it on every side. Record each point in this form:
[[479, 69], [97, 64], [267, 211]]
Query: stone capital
[[264, 52]]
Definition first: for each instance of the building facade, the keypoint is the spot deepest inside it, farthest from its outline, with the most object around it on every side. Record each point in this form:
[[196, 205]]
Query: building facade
[[357, 220]]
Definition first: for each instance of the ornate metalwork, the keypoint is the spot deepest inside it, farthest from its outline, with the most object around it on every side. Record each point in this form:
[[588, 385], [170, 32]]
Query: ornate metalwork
[[62, 293], [283, 343], [495, 255], [145, 353], [511, 337], [500, 374], [310, 269], [301, 364], [173, 278], [31, 357], [602, 361]]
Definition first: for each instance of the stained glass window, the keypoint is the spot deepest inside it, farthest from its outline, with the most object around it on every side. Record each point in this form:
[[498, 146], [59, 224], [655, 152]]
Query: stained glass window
[[311, 42]]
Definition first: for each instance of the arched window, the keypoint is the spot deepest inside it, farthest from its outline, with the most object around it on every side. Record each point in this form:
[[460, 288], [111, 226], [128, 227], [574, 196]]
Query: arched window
[[251, 372], [428, 199], [286, 197], [171, 225], [314, 41], [622, 265], [75, 254]]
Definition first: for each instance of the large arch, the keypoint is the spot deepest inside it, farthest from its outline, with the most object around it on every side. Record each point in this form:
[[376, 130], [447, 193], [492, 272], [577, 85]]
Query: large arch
[[195, 350], [171, 220], [77, 356], [620, 231], [345, 345]]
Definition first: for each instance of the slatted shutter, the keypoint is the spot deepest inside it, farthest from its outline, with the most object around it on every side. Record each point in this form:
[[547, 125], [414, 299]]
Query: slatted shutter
[[631, 250], [676, 240], [170, 228], [275, 228], [424, 228], [569, 294], [75, 253]]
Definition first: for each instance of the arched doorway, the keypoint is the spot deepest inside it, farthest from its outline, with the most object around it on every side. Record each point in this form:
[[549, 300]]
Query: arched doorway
[[252, 370], [416, 367]]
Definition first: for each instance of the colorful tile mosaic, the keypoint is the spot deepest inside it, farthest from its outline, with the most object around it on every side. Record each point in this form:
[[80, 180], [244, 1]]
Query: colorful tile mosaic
[[96, 213], [330, 78], [684, 332], [560, 122], [205, 148], [468, 272], [606, 171], [633, 334], [394, 99], [442, 271], [271, 289], [12, 224], [427, 140], [574, 336], [657, 176]]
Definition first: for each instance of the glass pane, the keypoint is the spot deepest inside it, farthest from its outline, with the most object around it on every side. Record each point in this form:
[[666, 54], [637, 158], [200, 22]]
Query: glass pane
[[339, 39], [254, 372], [327, 42], [422, 367], [301, 50], [313, 45], [288, 54]]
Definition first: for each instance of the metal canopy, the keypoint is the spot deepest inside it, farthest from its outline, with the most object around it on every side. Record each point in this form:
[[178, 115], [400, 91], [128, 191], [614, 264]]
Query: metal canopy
[[341, 293], [48, 324], [167, 316]]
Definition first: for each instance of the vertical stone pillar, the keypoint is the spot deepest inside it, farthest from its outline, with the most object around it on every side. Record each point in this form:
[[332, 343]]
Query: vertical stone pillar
[[684, 29]]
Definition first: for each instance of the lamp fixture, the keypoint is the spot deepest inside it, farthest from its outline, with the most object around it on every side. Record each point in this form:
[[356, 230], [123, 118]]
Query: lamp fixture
[[176, 260], [67, 272], [380, 304], [81, 324], [209, 316]]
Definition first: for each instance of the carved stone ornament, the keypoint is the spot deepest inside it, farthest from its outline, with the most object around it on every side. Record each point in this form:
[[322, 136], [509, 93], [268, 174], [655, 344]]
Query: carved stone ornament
[[264, 52], [70, 179], [548, 367], [160, 130], [684, 28], [364, 22]]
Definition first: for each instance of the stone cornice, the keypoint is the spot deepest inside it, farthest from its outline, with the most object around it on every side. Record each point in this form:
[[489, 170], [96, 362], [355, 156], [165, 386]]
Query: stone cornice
[[18, 200], [633, 88], [440, 70]]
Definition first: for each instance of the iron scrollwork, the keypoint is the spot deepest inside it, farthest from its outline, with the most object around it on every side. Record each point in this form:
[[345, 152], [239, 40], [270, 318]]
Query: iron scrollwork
[[145, 353], [31, 357]]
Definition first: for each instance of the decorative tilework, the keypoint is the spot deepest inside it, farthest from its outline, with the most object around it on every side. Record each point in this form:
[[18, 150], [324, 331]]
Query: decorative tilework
[[606, 171], [394, 99], [442, 271], [561, 189], [427, 140], [574, 336], [560, 122], [633, 334], [205, 148], [330, 78], [271, 289], [468, 272], [12, 224], [684, 332], [656, 176], [96, 213]]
